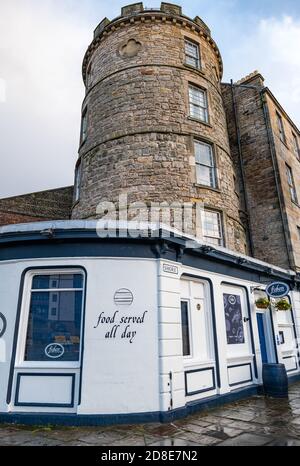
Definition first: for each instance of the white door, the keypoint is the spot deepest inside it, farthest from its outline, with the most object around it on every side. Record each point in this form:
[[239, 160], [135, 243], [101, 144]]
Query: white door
[[197, 338]]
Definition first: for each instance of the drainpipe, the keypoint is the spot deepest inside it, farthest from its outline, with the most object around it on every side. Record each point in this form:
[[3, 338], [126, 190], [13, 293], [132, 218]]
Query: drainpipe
[[277, 178], [241, 163]]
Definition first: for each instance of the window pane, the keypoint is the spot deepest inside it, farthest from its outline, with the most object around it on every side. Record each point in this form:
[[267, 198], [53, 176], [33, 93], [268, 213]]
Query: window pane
[[203, 153], [204, 175], [185, 328], [233, 319], [198, 112], [211, 224], [191, 61], [56, 323], [44, 282]]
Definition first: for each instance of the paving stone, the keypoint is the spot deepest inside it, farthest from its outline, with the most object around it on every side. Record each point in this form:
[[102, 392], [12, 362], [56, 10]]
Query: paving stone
[[174, 442], [247, 440], [275, 422]]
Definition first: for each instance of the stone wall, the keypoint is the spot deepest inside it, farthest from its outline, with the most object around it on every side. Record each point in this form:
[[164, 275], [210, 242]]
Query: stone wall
[[53, 204], [140, 136], [285, 155], [265, 220]]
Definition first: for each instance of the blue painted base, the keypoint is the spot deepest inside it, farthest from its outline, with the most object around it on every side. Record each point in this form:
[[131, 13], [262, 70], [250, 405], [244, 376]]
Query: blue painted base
[[132, 418]]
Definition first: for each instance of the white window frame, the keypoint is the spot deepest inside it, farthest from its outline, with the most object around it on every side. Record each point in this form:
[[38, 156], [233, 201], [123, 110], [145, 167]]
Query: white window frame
[[220, 224], [212, 167], [193, 88], [195, 57], [291, 184], [20, 362]]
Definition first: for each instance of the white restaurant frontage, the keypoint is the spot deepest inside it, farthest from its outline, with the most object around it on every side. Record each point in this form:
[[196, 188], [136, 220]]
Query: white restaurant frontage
[[112, 330]]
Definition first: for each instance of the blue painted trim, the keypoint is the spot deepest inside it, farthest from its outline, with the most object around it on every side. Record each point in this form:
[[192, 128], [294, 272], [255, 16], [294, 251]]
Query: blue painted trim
[[291, 357], [132, 418], [213, 308], [45, 405], [250, 322], [213, 387], [3, 318], [293, 378], [274, 337], [242, 381], [17, 324], [85, 243]]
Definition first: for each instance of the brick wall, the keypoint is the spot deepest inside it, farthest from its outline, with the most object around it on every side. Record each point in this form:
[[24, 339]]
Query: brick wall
[[53, 204]]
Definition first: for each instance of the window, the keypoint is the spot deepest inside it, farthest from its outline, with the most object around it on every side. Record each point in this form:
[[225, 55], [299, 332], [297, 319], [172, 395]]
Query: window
[[280, 127], [185, 328], [54, 332], [212, 227], [205, 167], [77, 183], [83, 126], [296, 146], [198, 103], [298, 230], [291, 184], [192, 55]]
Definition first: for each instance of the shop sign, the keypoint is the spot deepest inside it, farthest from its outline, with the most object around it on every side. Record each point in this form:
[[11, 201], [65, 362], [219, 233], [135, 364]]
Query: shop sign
[[277, 290], [54, 350]]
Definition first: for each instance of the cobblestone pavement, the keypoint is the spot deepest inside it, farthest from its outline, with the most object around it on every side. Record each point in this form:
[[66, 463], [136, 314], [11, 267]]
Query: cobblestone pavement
[[255, 421]]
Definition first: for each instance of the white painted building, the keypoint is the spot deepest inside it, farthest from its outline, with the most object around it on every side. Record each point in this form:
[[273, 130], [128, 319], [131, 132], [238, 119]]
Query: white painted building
[[101, 330]]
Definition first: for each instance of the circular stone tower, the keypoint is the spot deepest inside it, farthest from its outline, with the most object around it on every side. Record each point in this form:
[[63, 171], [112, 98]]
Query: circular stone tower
[[153, 121]]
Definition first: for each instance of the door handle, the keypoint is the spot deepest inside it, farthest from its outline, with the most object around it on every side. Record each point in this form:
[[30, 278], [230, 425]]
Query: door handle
[[246, 319]]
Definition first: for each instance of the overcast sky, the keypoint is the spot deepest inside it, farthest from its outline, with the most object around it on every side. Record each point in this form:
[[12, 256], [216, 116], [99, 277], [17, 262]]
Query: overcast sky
[[42, 43]]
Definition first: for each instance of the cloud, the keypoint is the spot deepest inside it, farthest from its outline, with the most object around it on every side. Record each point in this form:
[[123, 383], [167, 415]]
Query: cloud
[[40, 54], [272, 47], [42, 44]]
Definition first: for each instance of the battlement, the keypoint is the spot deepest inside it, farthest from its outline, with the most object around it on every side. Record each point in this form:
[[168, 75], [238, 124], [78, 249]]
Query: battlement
[[134, 9]]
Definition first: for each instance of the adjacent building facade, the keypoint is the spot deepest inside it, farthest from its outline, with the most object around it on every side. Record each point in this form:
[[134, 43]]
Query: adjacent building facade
[[124, 325]]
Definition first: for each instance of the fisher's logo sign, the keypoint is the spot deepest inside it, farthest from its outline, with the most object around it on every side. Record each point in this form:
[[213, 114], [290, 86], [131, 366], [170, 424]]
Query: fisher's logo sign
[[277, 290], [54, 350]]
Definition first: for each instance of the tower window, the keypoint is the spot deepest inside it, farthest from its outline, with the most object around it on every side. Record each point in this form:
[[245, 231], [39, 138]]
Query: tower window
[[205, 166], [198, 103], [291, 184], [192, 54], [84, 122], [212, 227], [280, 127], [296, 146], [77, 183]]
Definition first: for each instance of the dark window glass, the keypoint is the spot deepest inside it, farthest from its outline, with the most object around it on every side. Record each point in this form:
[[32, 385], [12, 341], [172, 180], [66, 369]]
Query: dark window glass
[[45, 282], [234, 319], [54, 332], [185, 328]]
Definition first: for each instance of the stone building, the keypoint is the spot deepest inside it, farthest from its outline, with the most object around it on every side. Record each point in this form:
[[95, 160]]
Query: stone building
[[98, 327]]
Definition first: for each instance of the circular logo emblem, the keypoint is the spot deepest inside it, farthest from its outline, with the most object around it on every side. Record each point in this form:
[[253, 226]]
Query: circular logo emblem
[[3, 325], [54, 350], [232, 299], [277, 290], [123, 297]]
